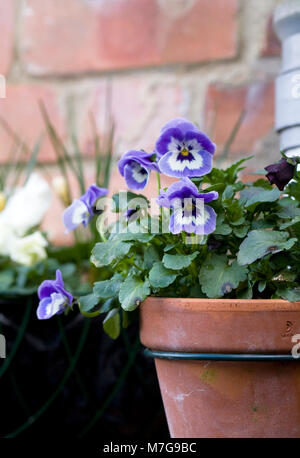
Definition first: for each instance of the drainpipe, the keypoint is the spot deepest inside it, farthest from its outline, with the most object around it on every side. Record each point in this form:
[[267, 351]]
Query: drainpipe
[[287, 100]]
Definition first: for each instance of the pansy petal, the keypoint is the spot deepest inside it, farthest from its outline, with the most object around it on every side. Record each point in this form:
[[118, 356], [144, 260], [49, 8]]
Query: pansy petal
[[51, 306], [210, 223], [136, 176], [77, 213], [170, 137], [91, 196], [141, 157], [179, 123], [199, 165], [46, 288], [203, 140], [44, 309]]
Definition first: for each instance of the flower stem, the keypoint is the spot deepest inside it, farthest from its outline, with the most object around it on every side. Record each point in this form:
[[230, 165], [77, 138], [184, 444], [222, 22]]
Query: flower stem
[[158, 182], [158, 189]]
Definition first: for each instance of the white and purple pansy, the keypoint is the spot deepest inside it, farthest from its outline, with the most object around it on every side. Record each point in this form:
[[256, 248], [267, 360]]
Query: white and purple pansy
[[190, 214], [184, 151], [135, 167], [54, 298], [82, 210]]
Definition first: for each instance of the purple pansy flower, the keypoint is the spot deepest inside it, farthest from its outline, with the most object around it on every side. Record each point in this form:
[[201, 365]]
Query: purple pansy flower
[[135, 167], [280, 173], [190, 214], [82, 210], [184, 151], [54, 298]]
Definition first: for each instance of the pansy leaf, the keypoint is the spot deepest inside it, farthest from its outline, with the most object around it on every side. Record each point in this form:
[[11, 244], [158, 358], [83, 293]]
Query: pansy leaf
[[87, 304], [252, 196], [217, 278], [178, 261], [234, 169], [112, 324], [241, 232], [105, 253], [133, 292], [108, 288], [160, 276], [291, 295], [291, 223], [288, 208], [259, 243], [142, 237], [151, 256]]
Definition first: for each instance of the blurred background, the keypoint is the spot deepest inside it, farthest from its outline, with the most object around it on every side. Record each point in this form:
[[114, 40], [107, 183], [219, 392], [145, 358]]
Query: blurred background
[[207, 60], [117, 70]]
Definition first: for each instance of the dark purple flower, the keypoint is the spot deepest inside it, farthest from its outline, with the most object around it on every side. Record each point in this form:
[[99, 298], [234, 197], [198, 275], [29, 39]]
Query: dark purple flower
[[135, 167], [184, 151], [82, 210], [280, 173], [190, 214], [54, 298]]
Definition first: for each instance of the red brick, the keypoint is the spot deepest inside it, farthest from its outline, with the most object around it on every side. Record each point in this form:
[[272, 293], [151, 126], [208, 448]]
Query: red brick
[[272, 45], [7, 35], [140, 105], [228, 103], [21, 112], [93, 35]]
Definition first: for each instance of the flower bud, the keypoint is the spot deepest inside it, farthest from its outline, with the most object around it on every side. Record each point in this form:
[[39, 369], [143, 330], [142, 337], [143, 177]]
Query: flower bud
[[2, 201], [60, 187]]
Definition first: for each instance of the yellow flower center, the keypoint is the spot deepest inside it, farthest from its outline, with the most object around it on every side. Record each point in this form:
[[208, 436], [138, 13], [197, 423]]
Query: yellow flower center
[[2, 201], [185, 152]]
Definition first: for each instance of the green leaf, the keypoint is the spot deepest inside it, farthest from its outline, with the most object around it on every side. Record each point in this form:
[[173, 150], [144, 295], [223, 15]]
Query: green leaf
[[105, 253], [242, 231], [87, 304], [289, 208], [142, 237], [291, 223], [108, 288], [259, 243], [178, 261], [151, 256], [234, 169], [6, 279], [291, 295], [112, 324], [252, 196], [160, 277], [221, 227], [132, 292], [122, 200], [217, 278]]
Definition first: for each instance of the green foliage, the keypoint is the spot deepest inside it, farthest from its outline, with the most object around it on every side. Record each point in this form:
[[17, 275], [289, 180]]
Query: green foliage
[[178, 261], [132, 293], [160, 276], [253, 253], [106, 253], [260, 243], [217, 278]]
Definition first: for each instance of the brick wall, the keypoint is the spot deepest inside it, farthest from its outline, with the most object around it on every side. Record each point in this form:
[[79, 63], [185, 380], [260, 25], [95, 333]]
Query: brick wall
[[207, 60]]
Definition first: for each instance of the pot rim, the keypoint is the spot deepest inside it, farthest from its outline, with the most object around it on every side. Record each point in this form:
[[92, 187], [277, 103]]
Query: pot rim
[[219, 305]]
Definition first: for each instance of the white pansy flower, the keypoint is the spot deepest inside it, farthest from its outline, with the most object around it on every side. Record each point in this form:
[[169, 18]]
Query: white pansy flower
[[29, 250], [27, 206], [7, 239]]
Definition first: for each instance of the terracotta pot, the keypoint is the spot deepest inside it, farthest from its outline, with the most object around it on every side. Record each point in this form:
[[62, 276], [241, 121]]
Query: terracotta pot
[[226, 398]]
